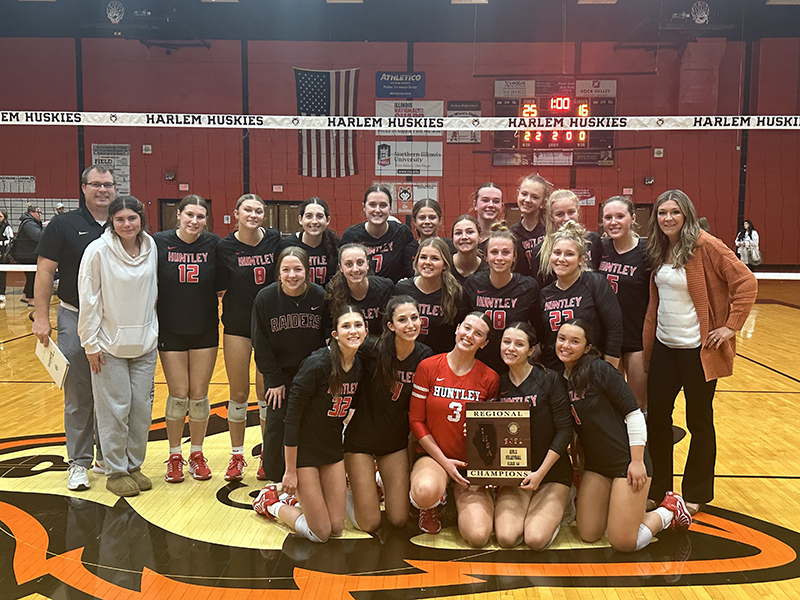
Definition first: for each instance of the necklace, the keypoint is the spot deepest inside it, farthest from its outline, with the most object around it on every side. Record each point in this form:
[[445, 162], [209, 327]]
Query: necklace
[[300, 298]]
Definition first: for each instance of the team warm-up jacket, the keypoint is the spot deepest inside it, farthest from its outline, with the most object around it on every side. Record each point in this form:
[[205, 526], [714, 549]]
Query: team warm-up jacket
[[285, 331]]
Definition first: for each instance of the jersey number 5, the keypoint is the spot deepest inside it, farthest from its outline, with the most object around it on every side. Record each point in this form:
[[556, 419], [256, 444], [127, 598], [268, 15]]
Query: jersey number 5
[[188, 273], [341, 404], [614, 281], [557, 317]]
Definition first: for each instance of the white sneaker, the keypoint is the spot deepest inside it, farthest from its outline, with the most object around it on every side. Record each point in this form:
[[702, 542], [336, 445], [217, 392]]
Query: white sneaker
[[78, 479], [99, 467], [2, 298]]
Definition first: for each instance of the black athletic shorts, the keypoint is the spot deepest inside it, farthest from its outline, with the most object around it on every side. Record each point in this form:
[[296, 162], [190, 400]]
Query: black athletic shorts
[[620, 471], [169, 341]]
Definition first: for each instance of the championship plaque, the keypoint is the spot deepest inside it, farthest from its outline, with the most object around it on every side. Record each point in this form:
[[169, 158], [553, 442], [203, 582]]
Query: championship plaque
[[498, 442]]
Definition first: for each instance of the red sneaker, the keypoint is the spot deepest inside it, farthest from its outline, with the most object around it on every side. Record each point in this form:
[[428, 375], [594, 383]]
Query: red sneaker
[[429, 520], [198, 467], [289, 499], [235, 468], [260, 475], [175, 464], [674, 503], [266, 497]]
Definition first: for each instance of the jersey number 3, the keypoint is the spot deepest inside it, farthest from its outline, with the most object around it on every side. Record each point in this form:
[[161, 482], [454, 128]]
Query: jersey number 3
[[341, 404]]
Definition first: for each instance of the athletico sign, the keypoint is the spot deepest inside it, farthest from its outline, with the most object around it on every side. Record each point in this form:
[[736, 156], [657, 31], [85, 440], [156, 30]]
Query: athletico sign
[[105, 119]]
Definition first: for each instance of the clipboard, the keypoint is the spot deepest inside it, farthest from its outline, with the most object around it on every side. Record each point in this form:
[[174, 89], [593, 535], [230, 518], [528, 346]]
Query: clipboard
[[54, 361]]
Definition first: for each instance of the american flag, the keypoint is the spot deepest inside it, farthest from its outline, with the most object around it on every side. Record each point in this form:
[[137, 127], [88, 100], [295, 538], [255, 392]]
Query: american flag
[[326, 153]]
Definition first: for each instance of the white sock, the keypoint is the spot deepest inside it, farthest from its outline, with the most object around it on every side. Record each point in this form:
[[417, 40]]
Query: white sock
[[666, 516], [644, 537], [196, 448], [175, 450], [274, 508], [237, 450], [301, 527]]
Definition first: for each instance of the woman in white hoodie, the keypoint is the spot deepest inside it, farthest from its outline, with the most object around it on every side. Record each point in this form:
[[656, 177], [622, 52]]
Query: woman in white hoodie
[[119, 332]]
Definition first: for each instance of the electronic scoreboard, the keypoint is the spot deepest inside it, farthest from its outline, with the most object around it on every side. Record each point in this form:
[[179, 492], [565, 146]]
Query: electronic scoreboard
[[574, 99]]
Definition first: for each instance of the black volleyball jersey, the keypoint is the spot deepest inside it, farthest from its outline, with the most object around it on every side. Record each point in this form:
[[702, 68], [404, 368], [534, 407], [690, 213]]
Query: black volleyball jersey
[[285, 331], [392, 254], [545, 391], [314, 417], [483, 266], [629, 276], [528, 241], [590, 298], [594, 254], [515, 301], [380, 424], [380, 290], [321, 266], [187, 285], [599, 414], [434, 331], [243, 270]]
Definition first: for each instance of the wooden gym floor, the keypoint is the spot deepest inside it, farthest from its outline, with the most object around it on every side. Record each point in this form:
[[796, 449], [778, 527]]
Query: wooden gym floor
[[202, 540]]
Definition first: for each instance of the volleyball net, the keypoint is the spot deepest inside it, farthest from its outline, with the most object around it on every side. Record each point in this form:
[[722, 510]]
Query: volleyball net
[[733, 167]]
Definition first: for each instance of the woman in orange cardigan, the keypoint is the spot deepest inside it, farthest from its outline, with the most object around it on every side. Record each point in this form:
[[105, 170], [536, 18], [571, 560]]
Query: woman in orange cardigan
[[700, 295]]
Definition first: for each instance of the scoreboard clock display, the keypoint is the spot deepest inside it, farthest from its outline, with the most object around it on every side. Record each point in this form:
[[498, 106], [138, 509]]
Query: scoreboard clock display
[[581, 98]]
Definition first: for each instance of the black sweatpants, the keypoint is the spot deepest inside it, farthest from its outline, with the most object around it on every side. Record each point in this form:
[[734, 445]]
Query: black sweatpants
[[670, 370]]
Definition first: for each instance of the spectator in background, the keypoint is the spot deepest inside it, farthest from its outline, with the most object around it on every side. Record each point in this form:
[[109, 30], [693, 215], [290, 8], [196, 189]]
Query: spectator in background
[[6, 235], [59, 208], [747, 245], [28, 235]]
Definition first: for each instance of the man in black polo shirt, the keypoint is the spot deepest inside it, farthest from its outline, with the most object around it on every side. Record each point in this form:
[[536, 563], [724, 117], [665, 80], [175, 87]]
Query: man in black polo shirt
[[61, 247]]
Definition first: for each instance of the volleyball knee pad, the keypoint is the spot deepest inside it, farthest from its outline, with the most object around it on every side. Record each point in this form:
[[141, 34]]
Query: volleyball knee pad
[[237, 411], [176, 408], [262, 410], [301, 527], [199, 410]]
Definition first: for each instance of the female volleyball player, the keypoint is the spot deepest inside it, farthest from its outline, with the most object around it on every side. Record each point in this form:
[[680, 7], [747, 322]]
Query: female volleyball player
[[442, 385], [532, 195], [245, 265], [353, 286], [692, 343], [119, 332], [317, 239], [320, 399], [576, 293], [442, 302], [188, 317], [378, 431], [611, 427], [627, 268], [488, 206], [533, 510], [391, 244], [467, 259], [287, 327], [503, 295]]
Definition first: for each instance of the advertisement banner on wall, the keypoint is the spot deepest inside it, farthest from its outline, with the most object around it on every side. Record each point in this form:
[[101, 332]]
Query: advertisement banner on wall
[[393, 84], [407, 193], [402, 112], [118, 158], [408, 158], [465, 109], [18, 184], [586, 196]]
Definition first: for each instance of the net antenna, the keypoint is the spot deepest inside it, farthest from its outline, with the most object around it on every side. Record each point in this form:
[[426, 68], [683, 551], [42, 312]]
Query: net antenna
[[700, 12]]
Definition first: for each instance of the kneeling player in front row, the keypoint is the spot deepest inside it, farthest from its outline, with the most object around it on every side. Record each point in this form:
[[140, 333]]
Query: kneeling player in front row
[[612, 430], [533, 511], [378, 431], [320, 399], [442, 385]]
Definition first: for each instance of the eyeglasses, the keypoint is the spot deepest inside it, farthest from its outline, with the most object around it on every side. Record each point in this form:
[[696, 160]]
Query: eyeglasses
[[96, 185]]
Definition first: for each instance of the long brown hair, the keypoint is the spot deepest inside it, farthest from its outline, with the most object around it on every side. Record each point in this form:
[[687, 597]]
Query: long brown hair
[[388, 365], [451, 289], [337, 371], [338, 292], [658, 242]]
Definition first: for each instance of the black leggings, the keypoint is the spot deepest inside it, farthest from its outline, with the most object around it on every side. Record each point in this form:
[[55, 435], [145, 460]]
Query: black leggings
[[30, 277], [670, 370]]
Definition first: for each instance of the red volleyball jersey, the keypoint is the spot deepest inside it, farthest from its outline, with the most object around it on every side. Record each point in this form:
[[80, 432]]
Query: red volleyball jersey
[[438, 398]]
